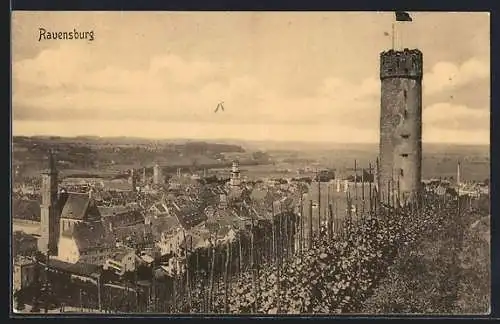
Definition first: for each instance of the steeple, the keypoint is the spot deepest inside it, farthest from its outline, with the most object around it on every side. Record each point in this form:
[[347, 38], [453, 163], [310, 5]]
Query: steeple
[[52, 163], [49, 216]]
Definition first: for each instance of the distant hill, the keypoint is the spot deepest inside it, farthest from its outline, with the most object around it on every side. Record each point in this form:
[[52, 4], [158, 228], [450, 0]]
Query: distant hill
[[97, 153]]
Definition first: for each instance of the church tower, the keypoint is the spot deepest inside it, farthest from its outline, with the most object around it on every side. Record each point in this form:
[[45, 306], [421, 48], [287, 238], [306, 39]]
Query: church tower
[[401, 124], [235, 174], [49, 213]]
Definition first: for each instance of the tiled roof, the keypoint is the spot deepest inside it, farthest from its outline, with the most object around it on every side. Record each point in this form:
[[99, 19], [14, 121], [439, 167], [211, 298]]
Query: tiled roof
[[109, 211], [136, 232], [77, 206], [119, 254], [88, 236], [165, 225], [124, 217], [26, 209], [118, 185], [79, 268]]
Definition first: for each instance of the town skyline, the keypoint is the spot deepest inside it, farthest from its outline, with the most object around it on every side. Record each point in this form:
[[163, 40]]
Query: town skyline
[[282, 76]]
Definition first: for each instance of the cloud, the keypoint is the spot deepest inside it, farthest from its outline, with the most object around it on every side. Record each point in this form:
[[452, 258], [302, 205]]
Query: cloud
[[456, 117], [71, 84], [170, 88], [446, 75]]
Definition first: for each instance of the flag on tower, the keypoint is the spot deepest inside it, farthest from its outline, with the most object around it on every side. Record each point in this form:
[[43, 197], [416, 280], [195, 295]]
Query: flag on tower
[[403, 16]]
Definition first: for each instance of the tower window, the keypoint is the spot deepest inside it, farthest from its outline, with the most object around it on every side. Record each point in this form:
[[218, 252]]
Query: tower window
[[405, 136], [404, 155], [405, 93], [401, 172], [405, 113]]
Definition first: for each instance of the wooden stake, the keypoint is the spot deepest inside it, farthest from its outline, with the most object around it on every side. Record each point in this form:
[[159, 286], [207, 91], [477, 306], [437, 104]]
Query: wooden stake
[[330, 221], [355, 182], [240, 255], [226, 275], [370, 187], [319, 206], [212, 270], [280, 235], [252, 260], [188, 279], [273, 248]]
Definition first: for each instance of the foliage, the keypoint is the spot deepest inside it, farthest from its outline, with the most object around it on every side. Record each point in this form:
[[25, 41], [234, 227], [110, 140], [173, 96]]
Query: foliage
[[445, 271]]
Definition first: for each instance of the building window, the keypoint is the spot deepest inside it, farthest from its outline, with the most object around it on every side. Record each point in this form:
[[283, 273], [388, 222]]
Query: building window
[[405, 94], [404, 155], [405, 136], [401, 173]]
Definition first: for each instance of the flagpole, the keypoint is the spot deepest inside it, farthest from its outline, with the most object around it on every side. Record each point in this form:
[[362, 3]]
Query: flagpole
[[392, 36]]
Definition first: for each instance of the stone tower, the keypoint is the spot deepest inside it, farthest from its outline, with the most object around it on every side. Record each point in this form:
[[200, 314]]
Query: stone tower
[[401, 124], [235, 174], [49, 212]]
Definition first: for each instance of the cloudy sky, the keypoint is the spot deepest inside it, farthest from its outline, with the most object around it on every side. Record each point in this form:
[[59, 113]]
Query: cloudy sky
[[282, 76]]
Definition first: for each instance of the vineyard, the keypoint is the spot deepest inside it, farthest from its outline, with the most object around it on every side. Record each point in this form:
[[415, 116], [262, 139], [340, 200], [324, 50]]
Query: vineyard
[[336, 275]]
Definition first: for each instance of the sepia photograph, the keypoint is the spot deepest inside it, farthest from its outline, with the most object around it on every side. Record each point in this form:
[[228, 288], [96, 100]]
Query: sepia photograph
[[223, 163]]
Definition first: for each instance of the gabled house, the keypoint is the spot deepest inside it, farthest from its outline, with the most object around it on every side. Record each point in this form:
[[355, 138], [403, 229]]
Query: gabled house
[[170, 234]]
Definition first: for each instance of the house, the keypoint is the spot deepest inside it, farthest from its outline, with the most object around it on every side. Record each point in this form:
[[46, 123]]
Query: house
[[121, 261], [24, 272], [170, 234]]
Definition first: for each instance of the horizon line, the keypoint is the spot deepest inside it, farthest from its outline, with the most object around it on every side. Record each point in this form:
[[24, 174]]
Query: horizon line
[[230, 139]]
